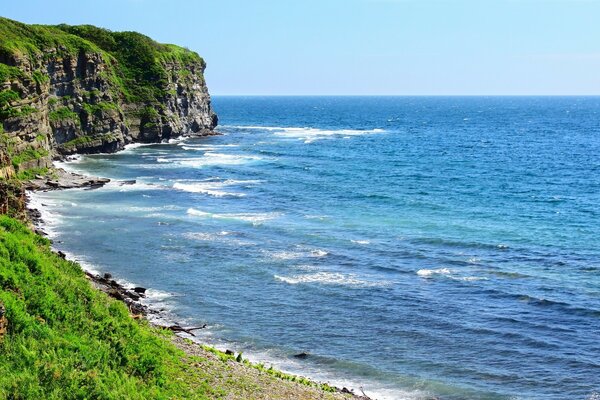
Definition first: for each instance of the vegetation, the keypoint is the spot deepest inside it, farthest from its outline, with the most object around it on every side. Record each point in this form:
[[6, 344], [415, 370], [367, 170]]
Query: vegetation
[[31, 173], [28, 155], [92, 109], [62, 113], [78, 141], [137, 63], [8, 73], [67, 340], [140, 60]]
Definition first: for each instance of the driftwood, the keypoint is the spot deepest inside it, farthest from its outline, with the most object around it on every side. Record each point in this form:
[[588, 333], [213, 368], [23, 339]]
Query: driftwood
[[178, 328]]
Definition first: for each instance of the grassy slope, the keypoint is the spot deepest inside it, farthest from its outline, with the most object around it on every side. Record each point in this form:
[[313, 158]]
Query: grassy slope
[[67, 340]]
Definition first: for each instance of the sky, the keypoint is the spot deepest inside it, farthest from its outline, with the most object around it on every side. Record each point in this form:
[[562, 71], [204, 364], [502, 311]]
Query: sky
[[362, 47]]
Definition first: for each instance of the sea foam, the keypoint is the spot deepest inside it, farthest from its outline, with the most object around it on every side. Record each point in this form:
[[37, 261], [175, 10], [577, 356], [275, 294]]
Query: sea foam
[[254, 218]]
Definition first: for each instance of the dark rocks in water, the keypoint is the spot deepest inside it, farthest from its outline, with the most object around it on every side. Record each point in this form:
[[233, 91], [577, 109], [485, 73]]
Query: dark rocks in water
[[107, 276], [139, 290], [301, 356], [61, 254], [129, 182], [132, 295], [229, 352], [178, 328]]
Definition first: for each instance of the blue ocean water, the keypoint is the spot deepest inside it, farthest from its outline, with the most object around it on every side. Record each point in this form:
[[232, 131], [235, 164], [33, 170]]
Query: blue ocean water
[[413, 246]]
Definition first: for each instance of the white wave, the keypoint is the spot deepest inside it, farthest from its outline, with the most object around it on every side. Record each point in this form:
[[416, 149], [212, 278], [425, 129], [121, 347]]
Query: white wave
[[329, 278], [318, 253], [209, 188], [308, 134], [163, 160], [210, 159], [158, 295], [293, 255], [319, 217], [361, 241], [132, 146], [254, 218], [430, 272], [205, 235], [138, 186], [470, 278]]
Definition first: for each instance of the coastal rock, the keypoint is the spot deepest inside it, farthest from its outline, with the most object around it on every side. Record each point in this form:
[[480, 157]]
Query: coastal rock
[[68, 91]]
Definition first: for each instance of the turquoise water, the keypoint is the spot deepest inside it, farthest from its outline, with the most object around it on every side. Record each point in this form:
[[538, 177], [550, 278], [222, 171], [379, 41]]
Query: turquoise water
[[413, 246]]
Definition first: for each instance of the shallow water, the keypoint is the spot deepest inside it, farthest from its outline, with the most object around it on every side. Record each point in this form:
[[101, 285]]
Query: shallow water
[[413, 246]]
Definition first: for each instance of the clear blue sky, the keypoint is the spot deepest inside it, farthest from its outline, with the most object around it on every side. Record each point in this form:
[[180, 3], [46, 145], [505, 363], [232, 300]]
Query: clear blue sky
[[400, 47]]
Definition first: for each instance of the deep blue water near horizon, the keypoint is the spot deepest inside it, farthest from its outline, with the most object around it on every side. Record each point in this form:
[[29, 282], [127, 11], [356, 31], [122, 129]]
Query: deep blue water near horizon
[[415, 246]]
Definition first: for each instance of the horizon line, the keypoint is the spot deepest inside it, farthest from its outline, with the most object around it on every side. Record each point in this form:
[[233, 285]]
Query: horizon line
[[402, 95]]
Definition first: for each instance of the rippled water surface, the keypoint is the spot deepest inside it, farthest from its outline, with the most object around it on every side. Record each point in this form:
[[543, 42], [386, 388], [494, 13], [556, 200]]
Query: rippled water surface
[[416, 247]]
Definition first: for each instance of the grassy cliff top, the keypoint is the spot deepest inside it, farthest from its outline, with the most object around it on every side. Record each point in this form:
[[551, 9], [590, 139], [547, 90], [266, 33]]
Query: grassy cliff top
[[138, 61]]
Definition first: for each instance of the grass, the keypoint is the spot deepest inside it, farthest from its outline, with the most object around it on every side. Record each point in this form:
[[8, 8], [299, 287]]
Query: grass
[[62, 114], [78, 141], [69, 341], [28, 155], [31, 173], [100, 107]]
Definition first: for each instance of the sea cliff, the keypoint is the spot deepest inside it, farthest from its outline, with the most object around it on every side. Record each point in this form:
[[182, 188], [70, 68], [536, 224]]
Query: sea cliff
[[82, 89]]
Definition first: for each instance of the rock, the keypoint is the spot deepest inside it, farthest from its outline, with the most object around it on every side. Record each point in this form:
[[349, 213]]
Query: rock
[[129, 182], [107, 276], [139, 290], [229, 352], [61, 254], [96, 117], [132, 295], [301, 356]]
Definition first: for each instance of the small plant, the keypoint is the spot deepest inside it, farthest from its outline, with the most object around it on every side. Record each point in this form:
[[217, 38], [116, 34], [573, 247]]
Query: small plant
[[62, 114]]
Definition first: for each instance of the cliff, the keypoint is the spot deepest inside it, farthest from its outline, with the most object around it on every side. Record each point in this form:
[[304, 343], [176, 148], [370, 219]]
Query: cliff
[[82, 89]]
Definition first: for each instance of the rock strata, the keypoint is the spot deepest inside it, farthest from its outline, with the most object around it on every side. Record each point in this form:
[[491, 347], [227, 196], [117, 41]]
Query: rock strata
[[81, 89]]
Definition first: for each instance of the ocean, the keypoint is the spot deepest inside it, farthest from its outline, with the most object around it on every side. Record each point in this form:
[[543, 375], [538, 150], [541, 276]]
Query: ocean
[[414, 247]]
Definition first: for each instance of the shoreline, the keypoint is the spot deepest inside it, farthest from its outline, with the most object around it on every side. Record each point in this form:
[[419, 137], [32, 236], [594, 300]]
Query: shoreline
[[133, 297]]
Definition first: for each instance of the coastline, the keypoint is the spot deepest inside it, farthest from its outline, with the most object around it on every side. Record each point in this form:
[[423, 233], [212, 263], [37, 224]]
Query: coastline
[[278, 385]]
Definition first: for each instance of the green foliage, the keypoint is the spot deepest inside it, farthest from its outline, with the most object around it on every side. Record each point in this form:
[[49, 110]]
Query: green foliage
[[28, 174], [9, 73], [63, 113], [28, 155], [140, 71], [7, 110], [66, 340], [40, 78], [102, 106], [32, 40], [78, 141], [6, 97]]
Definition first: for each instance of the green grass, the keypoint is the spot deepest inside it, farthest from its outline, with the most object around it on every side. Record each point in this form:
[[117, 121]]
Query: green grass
[[9, 73], [78, 141], [62, 113], [69, 341], [29, 174], [102, 106], [28, 155]]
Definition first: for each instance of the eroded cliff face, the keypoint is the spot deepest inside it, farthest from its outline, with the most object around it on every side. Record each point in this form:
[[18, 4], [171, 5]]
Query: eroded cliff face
[[63, 99]]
